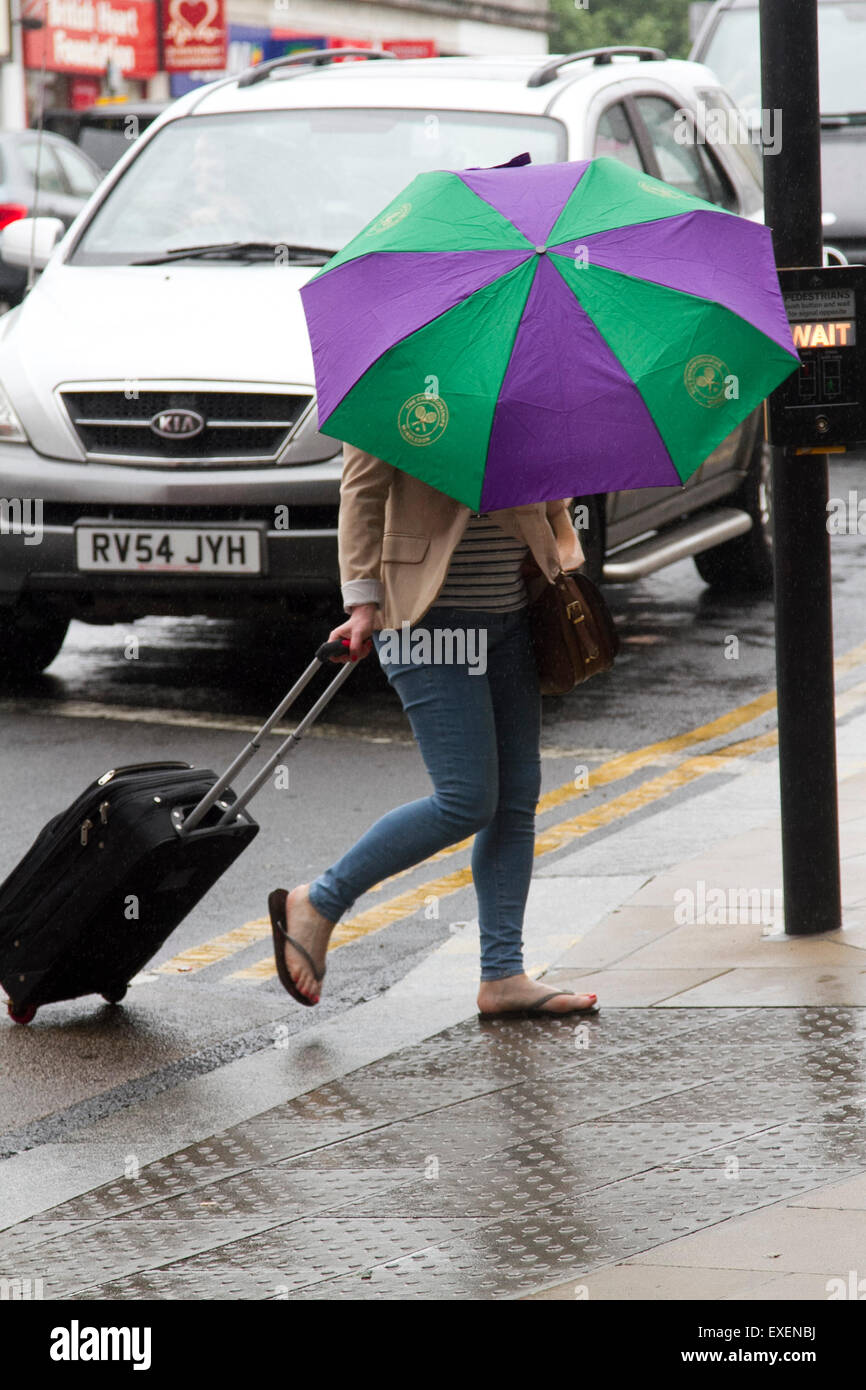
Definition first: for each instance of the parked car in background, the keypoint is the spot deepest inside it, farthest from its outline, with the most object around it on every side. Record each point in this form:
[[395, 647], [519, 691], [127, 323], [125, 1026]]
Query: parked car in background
[[104, 131], [729, 43], [67, 177], [158, 391]]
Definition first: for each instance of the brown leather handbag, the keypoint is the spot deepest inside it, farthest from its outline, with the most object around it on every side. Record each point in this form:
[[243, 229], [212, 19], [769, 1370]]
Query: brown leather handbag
[[573, 633]]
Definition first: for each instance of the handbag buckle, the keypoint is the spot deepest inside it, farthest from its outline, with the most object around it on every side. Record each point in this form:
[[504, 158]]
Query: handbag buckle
[[575, 611]]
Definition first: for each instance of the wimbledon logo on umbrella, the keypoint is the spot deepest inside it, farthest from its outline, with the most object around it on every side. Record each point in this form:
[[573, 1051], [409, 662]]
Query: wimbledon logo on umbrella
[[390, 219], [422, 419], [707, 380], [661, 190]]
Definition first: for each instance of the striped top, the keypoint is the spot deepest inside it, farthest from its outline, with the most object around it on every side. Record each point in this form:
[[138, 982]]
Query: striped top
[[484, 571]]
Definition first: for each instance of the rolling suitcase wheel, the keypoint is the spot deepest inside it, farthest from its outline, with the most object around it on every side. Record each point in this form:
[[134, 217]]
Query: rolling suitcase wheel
[[21, 1015], [114, 996]]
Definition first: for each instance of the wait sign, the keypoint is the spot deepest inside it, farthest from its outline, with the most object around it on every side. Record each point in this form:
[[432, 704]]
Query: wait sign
[[823, 404], [824, 335]]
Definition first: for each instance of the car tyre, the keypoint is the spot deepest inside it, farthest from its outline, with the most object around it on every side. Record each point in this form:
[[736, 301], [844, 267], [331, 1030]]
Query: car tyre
[[746, 562], [30, 639]]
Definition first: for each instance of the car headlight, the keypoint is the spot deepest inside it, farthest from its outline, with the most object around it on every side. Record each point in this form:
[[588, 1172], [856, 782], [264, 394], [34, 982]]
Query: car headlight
[[11, 429]]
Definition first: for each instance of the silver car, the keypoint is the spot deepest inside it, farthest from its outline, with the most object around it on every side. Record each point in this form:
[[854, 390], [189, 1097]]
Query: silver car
[[159, 449], [730, 44]]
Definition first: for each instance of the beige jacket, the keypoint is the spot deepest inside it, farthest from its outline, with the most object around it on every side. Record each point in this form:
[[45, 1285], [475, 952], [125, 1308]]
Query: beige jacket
[[397, 534]]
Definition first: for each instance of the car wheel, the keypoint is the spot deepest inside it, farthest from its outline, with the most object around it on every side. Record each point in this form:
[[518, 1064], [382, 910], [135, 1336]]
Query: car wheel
[[591, 534], [29, 641], [746, 562]]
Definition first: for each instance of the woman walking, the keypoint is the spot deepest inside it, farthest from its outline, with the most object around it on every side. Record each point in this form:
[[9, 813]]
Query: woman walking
[[422, 574]]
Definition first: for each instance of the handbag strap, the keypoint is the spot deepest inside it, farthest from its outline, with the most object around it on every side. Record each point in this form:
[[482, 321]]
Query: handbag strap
[[576, 611]]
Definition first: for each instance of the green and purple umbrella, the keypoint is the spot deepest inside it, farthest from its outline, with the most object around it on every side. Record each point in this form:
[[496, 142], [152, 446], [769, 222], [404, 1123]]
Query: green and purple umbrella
[[529, 332]]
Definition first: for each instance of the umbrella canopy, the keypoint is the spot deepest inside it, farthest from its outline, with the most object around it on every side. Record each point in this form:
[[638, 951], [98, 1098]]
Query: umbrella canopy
[[523, 333]]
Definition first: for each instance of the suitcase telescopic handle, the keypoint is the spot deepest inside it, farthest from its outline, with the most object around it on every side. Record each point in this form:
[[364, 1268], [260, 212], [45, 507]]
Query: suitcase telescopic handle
[[329, 649], [323, 654]]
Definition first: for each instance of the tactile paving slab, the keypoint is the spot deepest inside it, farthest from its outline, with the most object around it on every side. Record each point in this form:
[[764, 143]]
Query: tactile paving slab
[[486, 1161]]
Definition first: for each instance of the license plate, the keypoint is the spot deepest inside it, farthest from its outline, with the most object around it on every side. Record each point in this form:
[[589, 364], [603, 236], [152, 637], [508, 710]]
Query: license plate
[[169, 549]]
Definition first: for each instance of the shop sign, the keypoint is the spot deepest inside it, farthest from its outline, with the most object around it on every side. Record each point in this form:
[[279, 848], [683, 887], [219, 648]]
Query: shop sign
[[84, 36], [195, 38]]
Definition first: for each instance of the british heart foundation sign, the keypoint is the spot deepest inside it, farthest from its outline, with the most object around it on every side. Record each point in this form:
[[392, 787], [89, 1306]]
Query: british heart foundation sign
[[82, 36], [195, 35]]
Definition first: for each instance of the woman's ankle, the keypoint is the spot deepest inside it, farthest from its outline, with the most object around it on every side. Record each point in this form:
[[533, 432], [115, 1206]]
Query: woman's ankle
[[323, 919]]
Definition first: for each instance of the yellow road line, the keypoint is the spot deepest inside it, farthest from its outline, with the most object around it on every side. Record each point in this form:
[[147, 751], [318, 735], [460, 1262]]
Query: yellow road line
[[626, 764], [848, 660], [622, 766], [648, 792], [554, 837], [197, 957], [262, 970]]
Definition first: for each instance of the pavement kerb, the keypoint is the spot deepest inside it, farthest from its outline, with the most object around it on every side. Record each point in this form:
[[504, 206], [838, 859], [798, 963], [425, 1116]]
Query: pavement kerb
[[435, 995], [431, 998]]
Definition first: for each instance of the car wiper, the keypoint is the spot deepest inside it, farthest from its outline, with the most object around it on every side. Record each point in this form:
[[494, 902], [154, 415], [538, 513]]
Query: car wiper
[[242, 250]]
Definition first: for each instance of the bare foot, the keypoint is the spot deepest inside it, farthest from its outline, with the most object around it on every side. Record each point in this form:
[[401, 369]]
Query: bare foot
[[312, 931], [520, 992]]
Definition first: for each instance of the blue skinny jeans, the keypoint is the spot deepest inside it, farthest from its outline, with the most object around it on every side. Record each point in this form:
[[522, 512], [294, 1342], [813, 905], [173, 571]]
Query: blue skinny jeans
[[479, 732]]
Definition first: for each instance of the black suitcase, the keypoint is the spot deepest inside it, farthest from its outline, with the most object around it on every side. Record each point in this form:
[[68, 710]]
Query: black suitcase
[[108, 880]]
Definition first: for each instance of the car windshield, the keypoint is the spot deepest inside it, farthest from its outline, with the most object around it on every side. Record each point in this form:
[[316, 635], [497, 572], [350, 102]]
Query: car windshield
[[734, 54], [306, 178]]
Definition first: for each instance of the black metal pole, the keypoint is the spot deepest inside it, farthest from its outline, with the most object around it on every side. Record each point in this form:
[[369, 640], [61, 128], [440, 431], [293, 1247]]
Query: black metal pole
[[804, 615]]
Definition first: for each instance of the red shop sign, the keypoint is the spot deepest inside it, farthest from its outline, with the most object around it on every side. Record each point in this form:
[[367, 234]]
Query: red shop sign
[[411, 48], [84, 35], [336, 41], [401, 48], [83, 92], [195, 36]]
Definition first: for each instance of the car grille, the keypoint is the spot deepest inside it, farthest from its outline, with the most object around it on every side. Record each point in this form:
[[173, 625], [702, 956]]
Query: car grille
[[303, 516], [240, 426]]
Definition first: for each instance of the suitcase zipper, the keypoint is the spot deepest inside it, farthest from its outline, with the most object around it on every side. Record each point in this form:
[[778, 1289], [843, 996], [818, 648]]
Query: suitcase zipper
[[103, 808], [84, 828], [88, 825], [138, 767], [68, 824], [70, 819]]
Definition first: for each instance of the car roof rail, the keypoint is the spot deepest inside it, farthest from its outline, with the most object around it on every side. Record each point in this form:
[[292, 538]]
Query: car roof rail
[[314, 57], [548, 72]]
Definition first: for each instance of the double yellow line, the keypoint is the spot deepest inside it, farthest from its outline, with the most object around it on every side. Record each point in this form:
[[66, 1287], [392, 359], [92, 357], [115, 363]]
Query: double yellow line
[[554, 838]]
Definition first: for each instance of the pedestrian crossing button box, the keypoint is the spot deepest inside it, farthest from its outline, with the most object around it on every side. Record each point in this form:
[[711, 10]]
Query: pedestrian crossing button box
[[822, 406]]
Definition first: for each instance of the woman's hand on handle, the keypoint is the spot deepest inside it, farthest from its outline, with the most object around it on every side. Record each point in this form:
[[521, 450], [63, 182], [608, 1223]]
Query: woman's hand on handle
[[360, 624]]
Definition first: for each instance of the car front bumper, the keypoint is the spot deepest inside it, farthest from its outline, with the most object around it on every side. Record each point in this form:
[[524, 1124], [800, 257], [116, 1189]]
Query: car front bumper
[[295, 509]]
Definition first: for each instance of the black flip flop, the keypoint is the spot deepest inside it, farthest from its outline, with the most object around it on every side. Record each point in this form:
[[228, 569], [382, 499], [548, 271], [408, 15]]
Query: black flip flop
[[536, 1010], [277, 911]]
